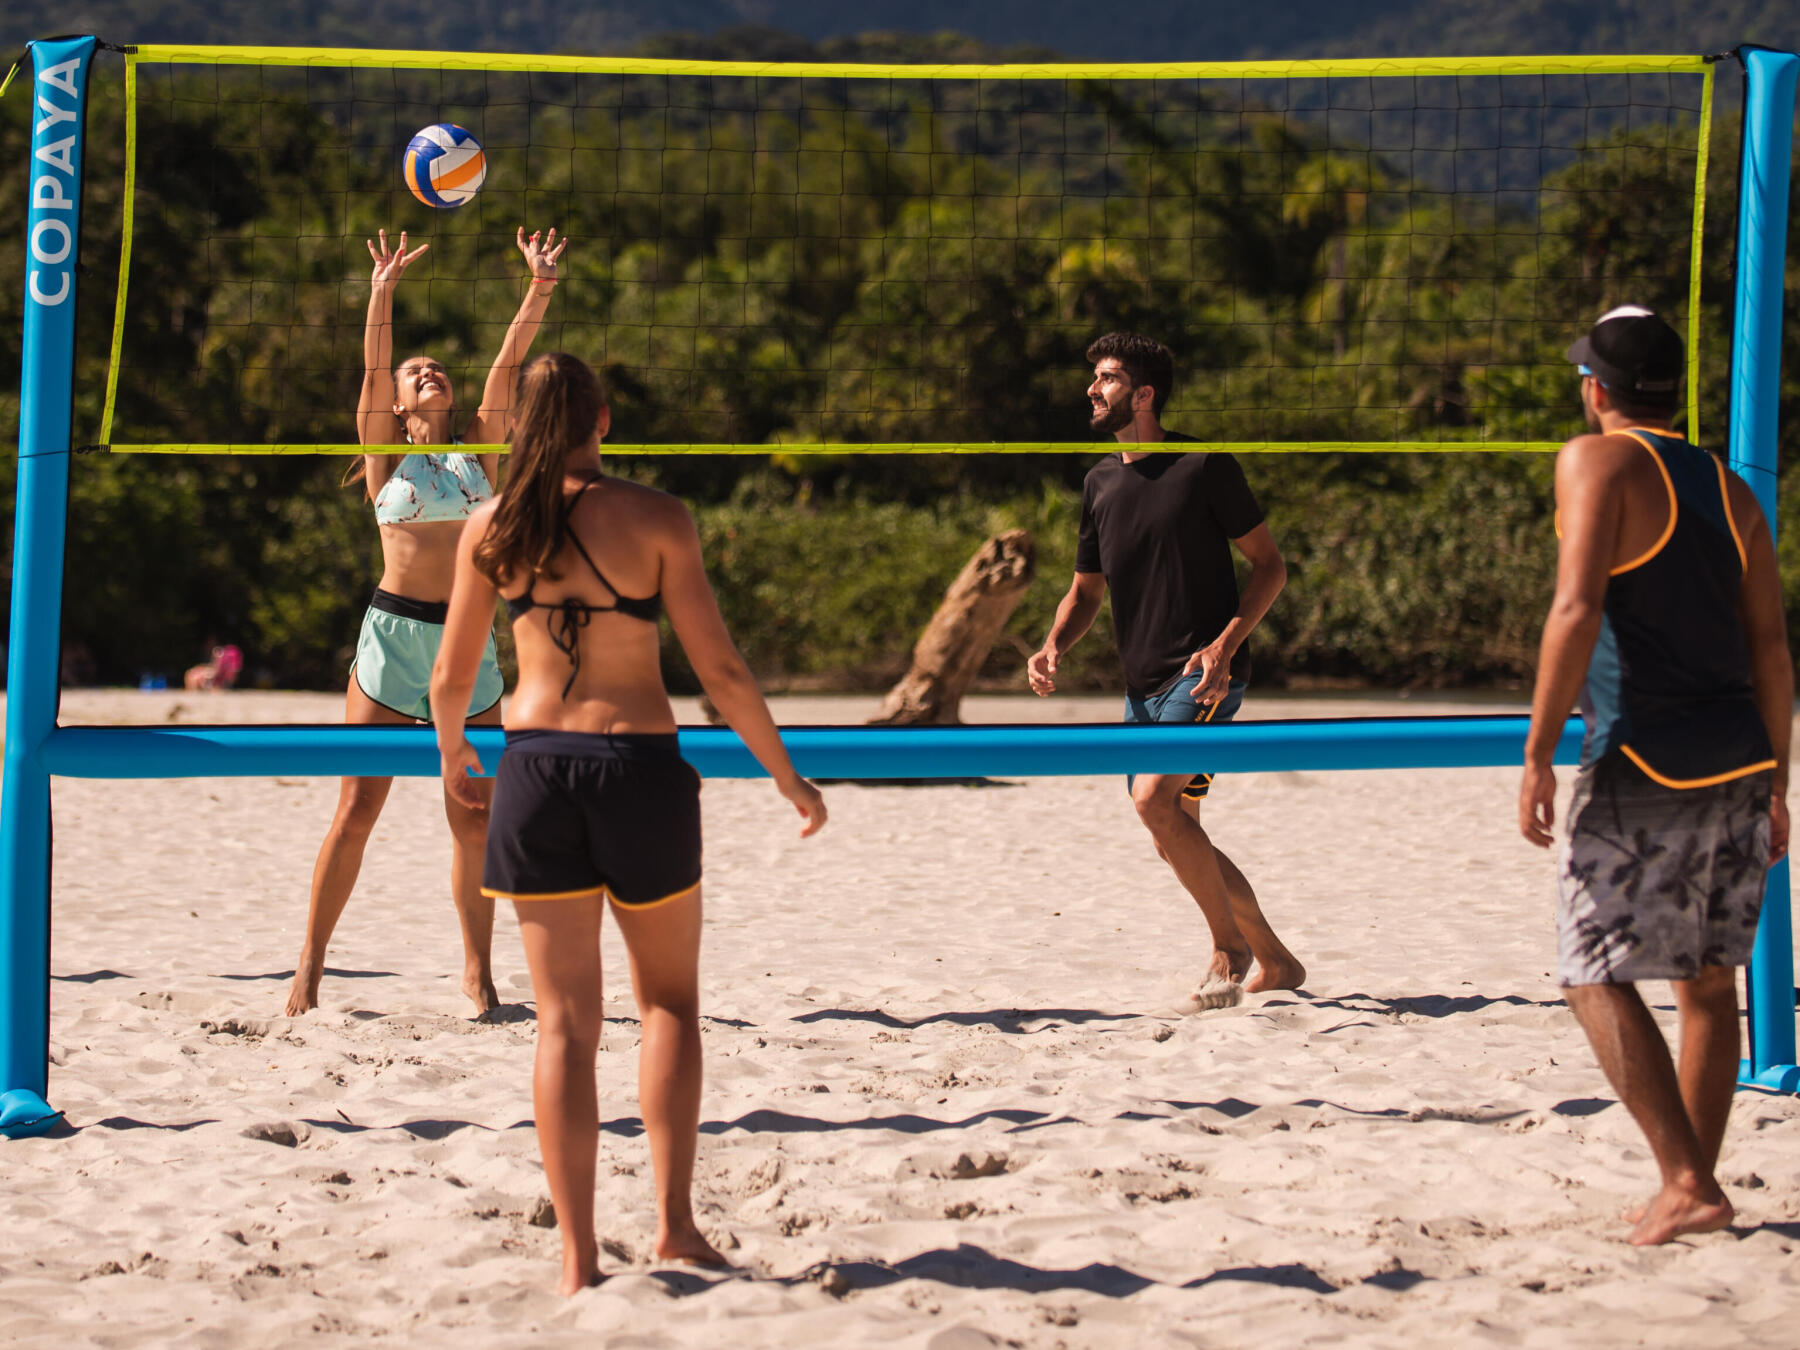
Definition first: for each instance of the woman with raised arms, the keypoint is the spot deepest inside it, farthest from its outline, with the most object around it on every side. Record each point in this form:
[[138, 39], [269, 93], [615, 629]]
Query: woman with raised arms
[[593, 802], [422, 497]]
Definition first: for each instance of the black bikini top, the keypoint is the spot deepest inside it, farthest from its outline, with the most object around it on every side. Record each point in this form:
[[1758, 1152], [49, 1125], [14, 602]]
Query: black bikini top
[[568, 617]]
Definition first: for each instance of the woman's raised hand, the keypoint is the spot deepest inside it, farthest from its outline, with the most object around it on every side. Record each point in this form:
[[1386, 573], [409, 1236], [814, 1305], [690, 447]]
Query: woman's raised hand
[[390, 263], [541, 254]]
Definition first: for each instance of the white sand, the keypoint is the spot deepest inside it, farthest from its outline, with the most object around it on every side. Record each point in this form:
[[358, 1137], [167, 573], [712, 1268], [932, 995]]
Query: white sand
[[1418, 1150]]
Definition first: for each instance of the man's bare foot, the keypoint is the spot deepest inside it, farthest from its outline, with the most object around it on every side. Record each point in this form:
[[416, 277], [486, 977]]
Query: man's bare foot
[[687, 1246], [1280, 972], [303, 994], [1676, 1212], [479, 986], [1229, 967]]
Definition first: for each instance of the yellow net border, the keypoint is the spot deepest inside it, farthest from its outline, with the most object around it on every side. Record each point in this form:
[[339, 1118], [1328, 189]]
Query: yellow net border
[[1420, 67]]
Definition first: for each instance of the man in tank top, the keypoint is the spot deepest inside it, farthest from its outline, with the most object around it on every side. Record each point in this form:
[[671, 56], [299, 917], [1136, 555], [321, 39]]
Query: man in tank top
[[1667, 620]]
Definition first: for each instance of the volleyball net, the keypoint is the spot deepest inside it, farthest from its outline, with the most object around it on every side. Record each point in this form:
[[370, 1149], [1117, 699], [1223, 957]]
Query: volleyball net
[[1348, 255], [1344, 255]]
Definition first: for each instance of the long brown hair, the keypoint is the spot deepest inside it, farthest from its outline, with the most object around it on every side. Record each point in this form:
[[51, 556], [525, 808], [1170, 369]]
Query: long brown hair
[[560, 400]]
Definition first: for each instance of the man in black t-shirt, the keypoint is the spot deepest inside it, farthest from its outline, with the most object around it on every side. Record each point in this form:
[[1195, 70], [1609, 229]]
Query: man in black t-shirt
[[1157, 528]]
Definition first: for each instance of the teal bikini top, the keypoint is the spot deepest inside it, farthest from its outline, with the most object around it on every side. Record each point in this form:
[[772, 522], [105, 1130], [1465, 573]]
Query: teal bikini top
[[428, 487]]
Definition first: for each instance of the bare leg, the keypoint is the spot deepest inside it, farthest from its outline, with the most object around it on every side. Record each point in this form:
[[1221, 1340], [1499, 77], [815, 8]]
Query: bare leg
[[1182, 844], [1635, 1059], [562, 950], [1709, 1054], [664, 946], [474, 911], [340, 857], [1276, 966]]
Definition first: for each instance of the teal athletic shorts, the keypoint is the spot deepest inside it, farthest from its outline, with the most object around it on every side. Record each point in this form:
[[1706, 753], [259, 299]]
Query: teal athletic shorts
[[398, 643], [1176, 704]]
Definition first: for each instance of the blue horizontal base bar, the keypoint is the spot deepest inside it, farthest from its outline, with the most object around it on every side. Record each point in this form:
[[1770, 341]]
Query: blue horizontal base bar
[[1776, 1078], [849, 752]]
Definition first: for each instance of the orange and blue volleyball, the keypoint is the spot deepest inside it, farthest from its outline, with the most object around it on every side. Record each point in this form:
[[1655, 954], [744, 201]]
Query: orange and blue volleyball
[[445, 166]]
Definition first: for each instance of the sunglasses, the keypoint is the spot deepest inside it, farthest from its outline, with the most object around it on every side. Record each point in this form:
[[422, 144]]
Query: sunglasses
[[1587, 374]]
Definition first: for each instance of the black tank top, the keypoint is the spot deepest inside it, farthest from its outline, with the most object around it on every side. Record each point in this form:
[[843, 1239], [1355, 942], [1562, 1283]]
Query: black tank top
[[569, 616], [1668, 687]]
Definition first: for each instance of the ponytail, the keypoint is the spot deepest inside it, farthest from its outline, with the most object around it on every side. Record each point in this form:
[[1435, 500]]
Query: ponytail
[[560, 400]]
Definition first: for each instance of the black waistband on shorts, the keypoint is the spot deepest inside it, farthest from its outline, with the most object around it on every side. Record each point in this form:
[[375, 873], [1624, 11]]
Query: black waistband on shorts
[[633, 745], [425, 611]]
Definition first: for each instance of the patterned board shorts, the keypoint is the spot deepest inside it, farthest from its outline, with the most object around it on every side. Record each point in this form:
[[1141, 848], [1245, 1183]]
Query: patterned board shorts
[[1654, 883]]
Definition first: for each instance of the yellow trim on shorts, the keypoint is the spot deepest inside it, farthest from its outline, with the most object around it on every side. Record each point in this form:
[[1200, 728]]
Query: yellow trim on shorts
[[1687, 783], [1674, 506], [544, 895], [669, 899]]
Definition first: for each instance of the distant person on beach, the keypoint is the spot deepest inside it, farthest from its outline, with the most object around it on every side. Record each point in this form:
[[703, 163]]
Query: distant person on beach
[[421, 497], [219, 671], [1157, 528], [1668, 620], [594, 804]]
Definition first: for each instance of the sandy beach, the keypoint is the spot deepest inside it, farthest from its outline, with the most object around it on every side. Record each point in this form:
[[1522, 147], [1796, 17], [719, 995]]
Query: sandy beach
[[948, 1105]]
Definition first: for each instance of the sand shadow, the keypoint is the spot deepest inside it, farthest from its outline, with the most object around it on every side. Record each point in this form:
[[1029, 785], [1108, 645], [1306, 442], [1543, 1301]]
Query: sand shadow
[[971, 1267], [331, 971], [1583, 1106], [92, 977], [1424, 1005], [131, 1123], [1007, 1020], [764, 1121]]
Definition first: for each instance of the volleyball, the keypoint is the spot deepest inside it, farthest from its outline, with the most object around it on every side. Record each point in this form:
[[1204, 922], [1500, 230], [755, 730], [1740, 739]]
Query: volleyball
[[445, 165]]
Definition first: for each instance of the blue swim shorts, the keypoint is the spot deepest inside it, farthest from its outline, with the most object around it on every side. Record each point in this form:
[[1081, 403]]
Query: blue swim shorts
[[1176, 705], [394, 653]]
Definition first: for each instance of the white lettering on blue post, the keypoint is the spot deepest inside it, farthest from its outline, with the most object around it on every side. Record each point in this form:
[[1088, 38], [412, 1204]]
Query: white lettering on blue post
[[50, 279]]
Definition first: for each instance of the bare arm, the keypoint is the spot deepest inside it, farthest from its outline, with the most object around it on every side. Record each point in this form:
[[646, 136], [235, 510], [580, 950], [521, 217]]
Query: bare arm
[[1074, 616], [1588, 503], [499, 398], [466, 630], [694, 613], [1268, 574], [375, 420], [1771, 667]]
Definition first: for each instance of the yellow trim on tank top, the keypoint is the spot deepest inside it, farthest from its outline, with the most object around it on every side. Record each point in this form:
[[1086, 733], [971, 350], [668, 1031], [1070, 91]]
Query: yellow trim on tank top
[[1730, 519], [1674, 505], [1689, 783]]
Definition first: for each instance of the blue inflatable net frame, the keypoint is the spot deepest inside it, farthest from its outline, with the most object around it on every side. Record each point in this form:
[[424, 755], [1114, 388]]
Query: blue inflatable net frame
[[37, 748]]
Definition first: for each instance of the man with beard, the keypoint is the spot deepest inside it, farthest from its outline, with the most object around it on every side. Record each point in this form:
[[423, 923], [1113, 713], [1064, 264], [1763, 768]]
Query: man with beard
[[1668, 619], [1157, 529]]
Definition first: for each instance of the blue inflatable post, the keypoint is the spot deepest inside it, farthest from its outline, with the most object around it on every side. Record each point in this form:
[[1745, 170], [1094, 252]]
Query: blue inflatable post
[[1755, 390], [40, 510]]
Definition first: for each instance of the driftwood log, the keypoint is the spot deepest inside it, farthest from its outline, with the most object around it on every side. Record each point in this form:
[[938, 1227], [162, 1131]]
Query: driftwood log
[[962, 633]]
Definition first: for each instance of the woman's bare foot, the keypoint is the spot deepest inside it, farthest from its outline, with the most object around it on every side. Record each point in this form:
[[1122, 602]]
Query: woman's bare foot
[[1675, 1212], [479, 986], [575, 1279], [689, 1247], [303, 994]]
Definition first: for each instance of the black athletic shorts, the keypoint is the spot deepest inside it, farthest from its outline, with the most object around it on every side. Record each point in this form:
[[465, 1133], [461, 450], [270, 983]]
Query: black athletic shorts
[[577, 814]]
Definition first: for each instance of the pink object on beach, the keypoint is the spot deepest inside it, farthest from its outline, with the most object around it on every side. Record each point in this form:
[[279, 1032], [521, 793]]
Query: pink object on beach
[[227, 661]]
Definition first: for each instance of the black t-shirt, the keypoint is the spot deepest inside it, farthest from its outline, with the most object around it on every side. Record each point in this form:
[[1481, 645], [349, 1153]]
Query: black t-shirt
[[1160, 529]]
